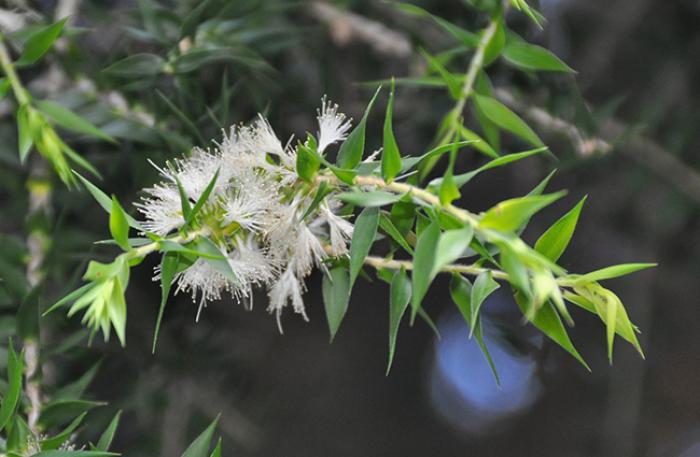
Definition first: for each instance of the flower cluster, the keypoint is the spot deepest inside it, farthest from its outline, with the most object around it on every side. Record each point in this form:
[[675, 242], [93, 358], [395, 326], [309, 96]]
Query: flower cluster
[[256, 212]]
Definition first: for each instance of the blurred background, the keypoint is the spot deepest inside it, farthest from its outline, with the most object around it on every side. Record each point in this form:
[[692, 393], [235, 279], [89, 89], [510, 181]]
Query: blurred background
[[624, 129]]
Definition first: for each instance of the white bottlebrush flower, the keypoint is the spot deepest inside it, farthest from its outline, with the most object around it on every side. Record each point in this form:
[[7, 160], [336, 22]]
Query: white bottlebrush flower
[[250, 264], [332, 125], [161, 208], [288, 288], [339, 231], [204, 281], [255, 214]]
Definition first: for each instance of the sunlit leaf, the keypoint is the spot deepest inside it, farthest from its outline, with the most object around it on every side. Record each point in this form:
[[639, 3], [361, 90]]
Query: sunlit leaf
[[40, 42], [554, 241], [509, 215], [391, 158]]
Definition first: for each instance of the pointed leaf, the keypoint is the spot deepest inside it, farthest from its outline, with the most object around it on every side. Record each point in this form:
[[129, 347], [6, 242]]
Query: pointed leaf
[[336, 294], [24, 132], [200, 446], [532, 57], [547, 320], [484, 285], [452, 246], [391, 158], [506, 119], [108, 435], [14, 386], [461, 292], [362, 238], [400, 296], [168, 268], [118, 225], [353, 148], [66, 118], [613, 272], [554, 241], [40, 42], [423, 264], [104, 201], [509, 215], [202, 199], [369, 199]]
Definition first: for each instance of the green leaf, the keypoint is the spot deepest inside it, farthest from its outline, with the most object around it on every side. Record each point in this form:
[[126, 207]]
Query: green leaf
[[25, 137], [336, 295], [168, 269], [391, 230], [221, 264], [56, 441], [66, 118], [184, 199], [423, 264], [166, 245], [71, 297], [200, 446], [369, 199], [409, 162], [547, 320], [509, 215], [506, 119], [462, 179], [484, 285], [613, 272], [40, 42], [529, 11], [108, 435], [532, 57], [453, 82], [362, 238], [467, 38], [118, 225], [58, 412], [353, 148], [217, 450], [623, 326], [137, 65], [345, 175], [554, 241], [461, 292], [479, 143], [495, 45], [400, 296], [308, 163], [14, 386], [182, 117], [323, 190], [75, 389], [104, 201], [201, 201], [451, 246], [391, 157]]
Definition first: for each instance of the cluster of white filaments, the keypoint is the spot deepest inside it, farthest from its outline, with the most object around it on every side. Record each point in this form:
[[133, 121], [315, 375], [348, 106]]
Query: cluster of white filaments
[[255, 214]]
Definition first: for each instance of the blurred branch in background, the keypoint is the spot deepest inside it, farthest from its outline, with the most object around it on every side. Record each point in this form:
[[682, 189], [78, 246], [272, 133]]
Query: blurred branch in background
[[346, 26]]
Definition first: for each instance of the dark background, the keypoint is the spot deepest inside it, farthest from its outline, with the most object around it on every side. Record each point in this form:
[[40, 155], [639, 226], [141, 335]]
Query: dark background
[[296, 395]]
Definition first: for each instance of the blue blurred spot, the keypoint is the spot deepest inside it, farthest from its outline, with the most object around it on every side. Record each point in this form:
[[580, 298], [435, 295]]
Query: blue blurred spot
[[692, 451], [463, 388]]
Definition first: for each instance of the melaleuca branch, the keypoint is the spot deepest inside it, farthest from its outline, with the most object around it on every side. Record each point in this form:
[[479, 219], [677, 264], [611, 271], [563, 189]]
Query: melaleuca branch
[[252, 213]]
